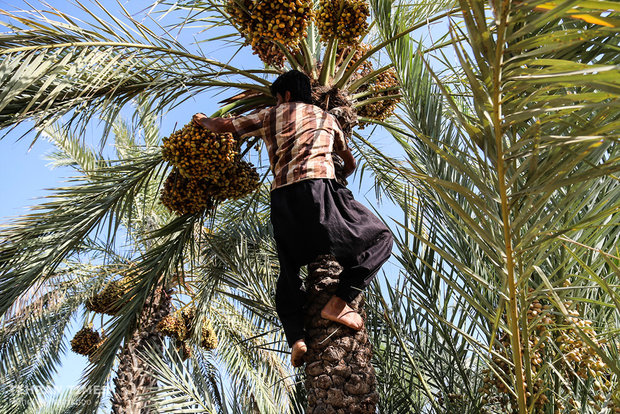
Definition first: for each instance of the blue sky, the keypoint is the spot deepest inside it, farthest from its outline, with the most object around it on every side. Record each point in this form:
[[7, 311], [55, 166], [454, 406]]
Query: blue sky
[[26, 176]]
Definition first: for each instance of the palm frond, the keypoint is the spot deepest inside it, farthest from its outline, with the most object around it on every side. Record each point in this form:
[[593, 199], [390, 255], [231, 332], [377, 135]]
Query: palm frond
[[557, 186], [62, 403], [178, 391], [35, 245], [71, 151], [236, 284], [54, 65], [152, 269], [32, 337]]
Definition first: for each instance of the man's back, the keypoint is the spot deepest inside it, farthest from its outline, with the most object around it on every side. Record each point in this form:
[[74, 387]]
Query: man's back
[[300, 140]]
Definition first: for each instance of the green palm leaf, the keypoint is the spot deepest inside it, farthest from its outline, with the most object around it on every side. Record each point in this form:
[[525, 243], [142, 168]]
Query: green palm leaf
[[52, 66], [530, 163]]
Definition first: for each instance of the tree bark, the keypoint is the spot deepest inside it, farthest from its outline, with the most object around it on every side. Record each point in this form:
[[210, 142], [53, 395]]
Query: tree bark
[[134, 377], [340, 378]]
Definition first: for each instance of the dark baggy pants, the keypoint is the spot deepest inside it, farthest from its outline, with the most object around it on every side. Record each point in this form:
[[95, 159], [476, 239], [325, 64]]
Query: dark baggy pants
[[320, 216]]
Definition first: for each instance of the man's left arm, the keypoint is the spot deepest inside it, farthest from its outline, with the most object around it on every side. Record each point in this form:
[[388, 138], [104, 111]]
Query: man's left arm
[[341, 147], [349, 161]]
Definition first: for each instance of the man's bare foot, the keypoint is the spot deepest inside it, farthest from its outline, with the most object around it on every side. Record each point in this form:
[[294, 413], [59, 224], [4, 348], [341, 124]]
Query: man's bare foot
[[297, 354], [337, 310]]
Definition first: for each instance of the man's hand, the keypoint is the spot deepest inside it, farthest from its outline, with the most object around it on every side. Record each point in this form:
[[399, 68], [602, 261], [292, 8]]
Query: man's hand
[[199, 118], [217, 125]]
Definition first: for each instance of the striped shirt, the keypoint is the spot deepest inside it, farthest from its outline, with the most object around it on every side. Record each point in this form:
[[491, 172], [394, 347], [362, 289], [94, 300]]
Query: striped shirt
[[300, 139]]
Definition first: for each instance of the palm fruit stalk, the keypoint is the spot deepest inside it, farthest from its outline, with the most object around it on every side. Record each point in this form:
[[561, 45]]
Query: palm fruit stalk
[[186, 195], [199, 153], [178, 325], [263, 23], [208, 337], [86, 341], [187, 316], [340, 377], [208, 168], [243, 180], [384, 85], [336, 101], [184, 350], [359, 50], [345, 20], [268, 52], [576, 361], [173, 326], [108, 301]]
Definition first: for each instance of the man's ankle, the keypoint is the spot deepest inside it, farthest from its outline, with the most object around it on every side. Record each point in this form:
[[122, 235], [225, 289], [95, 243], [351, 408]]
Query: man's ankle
[[337, 302]]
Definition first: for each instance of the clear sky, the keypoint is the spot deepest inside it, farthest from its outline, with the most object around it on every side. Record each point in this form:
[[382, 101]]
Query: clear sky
[[25, 174]]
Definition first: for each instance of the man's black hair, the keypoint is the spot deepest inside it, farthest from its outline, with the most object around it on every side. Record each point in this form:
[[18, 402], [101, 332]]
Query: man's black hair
[[297, 83]]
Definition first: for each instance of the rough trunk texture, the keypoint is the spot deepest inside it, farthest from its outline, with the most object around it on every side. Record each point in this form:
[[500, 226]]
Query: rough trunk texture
[[133, 377], [339, 375]]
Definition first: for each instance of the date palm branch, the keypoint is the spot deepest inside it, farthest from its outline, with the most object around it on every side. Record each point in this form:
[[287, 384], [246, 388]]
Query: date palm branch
[[513, 135]]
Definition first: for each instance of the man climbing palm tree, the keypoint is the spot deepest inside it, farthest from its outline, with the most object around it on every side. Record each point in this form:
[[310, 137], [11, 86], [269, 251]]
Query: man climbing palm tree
[[312, 214]]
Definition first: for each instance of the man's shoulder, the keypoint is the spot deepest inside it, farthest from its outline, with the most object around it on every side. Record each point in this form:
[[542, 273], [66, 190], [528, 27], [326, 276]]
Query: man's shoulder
[[309, 109], [306, 111]]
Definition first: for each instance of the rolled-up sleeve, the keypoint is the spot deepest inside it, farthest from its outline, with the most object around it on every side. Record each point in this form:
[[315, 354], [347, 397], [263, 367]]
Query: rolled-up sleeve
[[251, 125]]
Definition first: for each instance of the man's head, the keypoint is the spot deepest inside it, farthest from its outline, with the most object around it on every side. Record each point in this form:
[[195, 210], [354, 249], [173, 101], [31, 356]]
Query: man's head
[[296, 83]]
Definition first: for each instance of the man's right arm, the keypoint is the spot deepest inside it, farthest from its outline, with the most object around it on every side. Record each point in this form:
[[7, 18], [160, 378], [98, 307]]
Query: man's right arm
[[217, 125]]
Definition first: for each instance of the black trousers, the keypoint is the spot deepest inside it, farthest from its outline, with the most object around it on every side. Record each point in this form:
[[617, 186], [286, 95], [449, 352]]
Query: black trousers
[[320, 216]]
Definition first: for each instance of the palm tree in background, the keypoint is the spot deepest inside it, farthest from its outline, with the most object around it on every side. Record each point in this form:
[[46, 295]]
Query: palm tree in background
[[35, 328], [508, 293]]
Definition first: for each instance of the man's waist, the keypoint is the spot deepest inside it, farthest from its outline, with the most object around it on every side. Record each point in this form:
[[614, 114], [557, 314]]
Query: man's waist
[[283, 181]]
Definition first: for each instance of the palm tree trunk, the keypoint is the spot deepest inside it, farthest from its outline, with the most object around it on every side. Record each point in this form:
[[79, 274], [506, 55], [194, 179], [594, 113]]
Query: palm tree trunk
[[134, 377], [339, 375]]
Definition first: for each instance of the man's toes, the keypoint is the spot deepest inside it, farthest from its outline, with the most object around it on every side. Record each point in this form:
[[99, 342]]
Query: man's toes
[[353, 320], [357, 324]]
